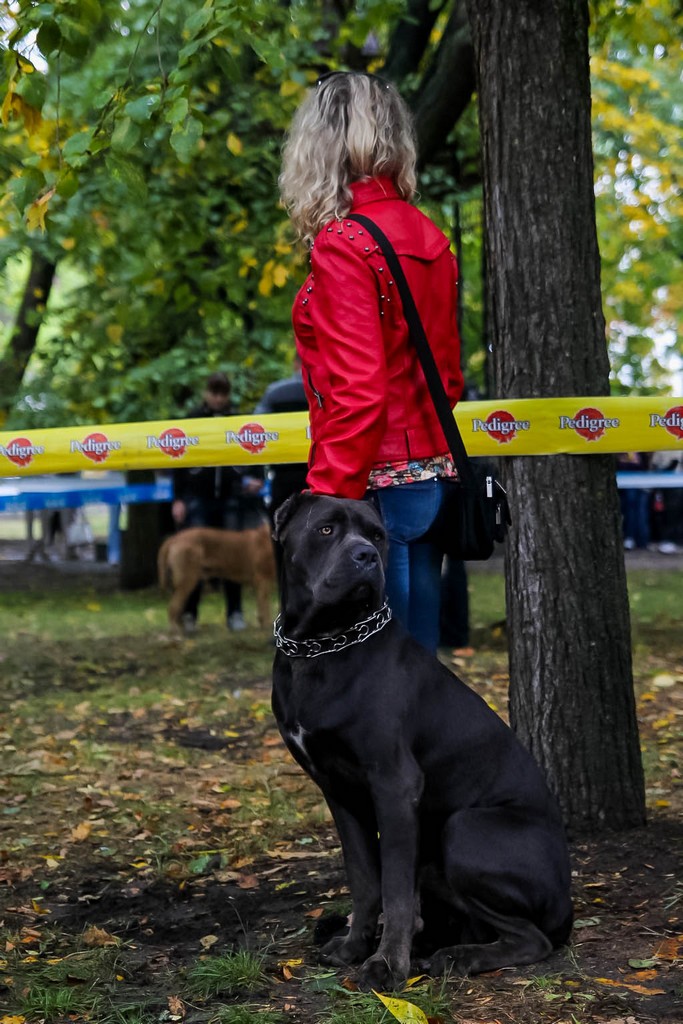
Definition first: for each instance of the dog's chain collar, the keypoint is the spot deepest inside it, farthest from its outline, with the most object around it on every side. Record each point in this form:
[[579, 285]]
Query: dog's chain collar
[[330, 644]]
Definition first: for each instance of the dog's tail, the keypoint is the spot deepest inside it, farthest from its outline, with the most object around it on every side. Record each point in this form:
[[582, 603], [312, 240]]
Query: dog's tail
[[163, 568]]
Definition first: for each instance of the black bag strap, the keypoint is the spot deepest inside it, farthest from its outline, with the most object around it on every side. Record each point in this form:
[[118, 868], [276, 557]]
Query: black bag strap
[[424, 352]]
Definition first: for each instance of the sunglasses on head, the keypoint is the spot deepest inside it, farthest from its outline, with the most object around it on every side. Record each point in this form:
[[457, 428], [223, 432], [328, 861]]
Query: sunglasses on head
[[355, 74]]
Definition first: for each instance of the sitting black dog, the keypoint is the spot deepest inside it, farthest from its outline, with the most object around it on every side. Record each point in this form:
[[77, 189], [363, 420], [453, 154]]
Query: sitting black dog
[[447, 827]]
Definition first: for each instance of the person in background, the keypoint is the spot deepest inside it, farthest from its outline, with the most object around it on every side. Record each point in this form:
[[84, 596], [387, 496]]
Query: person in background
[[669, 513], [286, 395], [635, 502], [351, 149], [219, 496], [455, 609]]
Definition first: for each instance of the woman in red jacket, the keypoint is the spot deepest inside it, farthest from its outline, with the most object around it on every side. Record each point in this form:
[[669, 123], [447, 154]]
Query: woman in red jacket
[[351, 149]]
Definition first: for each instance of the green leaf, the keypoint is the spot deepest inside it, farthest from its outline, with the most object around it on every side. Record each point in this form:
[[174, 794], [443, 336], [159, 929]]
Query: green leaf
[[197, 21], [75, 148], [178, 111], [26, 188], [75, 36], [67, 184], [127, 174], [49, 37], [125, 136], [141, 110], [33, 88], [185, 139]]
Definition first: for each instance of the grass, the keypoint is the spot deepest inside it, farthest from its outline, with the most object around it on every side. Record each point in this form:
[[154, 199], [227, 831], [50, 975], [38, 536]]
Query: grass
[[232, 974], [131, 761]]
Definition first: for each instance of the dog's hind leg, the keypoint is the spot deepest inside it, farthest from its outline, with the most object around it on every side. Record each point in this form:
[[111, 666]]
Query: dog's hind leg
[[519, 942], [508, 876], [179, 598]]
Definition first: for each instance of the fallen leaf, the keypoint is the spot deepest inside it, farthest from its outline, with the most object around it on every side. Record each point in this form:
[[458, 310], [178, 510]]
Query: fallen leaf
[[248, 882], [208, 941], [318, 912], [81, 832], [663, 681], [646, 975], [670, 949], [176, 1007], [642, 990], [96, 937], [402, 1010]]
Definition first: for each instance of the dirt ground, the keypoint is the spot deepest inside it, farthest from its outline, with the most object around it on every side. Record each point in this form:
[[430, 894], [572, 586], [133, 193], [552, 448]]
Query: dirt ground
[[623, 965]]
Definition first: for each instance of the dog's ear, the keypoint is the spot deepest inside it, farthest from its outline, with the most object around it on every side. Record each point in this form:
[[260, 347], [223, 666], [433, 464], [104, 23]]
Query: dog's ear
[[284, 513]]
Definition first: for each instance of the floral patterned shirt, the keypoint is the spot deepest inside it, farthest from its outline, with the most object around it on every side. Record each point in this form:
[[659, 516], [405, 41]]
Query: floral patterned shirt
[[391, 474]]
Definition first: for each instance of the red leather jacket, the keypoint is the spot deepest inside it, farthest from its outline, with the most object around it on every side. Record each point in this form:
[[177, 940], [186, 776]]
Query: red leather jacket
[[367, 396]]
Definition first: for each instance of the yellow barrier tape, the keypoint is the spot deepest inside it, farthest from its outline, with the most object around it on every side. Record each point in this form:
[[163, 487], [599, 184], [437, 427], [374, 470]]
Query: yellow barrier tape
[[540, 426]]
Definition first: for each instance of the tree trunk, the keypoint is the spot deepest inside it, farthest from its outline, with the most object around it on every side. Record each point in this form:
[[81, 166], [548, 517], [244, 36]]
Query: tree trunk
[[447, 87], [571, 687], [23, 336], [140, 541]]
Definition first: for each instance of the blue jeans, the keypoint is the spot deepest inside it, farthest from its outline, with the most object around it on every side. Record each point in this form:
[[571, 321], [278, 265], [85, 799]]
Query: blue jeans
[[413, 575]]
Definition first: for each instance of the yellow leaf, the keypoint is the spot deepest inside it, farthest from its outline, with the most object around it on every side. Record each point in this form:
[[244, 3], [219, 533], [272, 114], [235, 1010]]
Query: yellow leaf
[[265, 285], [280, 275], [98, 937], [114, 332], [290, 88], [81, 832], [37, 211], [93, 606], [642, 990], [402, 1010], [208, 941], [234, 144], [68, 244], [12, 1020], [670, 949], [39, 908]]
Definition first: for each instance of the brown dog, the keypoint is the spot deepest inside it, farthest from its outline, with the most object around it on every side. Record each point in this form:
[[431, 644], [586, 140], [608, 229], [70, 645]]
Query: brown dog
[[202, 552]]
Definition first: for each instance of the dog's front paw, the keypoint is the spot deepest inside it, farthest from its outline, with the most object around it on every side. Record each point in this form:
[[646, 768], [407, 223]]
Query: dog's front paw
[[342, 951], [382, 974]]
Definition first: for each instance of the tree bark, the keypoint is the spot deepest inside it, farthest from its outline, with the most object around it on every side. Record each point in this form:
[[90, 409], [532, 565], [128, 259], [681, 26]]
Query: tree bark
[[571, 687], [24, 334]]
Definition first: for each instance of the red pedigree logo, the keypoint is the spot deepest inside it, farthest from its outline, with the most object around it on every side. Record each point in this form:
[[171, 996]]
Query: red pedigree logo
[[671, 421], [588, 423], [20, 451], [501, 425], [172, 442], [252, 437], [96, 447]]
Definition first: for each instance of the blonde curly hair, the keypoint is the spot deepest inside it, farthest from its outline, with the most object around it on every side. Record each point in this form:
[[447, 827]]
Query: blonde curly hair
[[350, 126]]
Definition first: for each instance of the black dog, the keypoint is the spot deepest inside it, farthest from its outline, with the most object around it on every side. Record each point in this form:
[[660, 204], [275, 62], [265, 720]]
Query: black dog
[[446, 824]]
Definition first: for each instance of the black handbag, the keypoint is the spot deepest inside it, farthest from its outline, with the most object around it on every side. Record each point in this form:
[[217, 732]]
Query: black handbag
[[474, 513]]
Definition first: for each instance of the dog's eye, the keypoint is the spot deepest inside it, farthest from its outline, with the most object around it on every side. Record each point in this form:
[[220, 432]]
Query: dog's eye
[[326, 530], [378, 537]]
